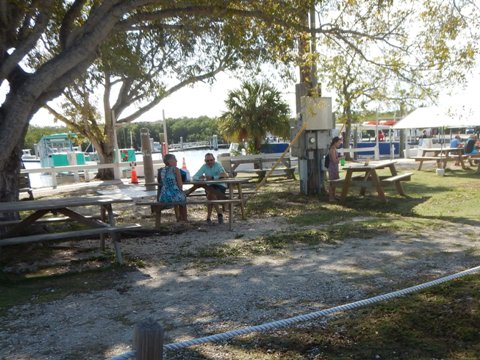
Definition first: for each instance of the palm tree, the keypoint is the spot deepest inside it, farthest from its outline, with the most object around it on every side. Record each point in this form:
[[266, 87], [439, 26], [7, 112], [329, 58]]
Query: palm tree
[[254, 110]]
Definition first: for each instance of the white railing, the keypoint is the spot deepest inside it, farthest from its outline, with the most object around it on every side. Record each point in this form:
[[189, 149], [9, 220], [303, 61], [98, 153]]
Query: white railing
[[87, 170], [189, 145], [374, 148]]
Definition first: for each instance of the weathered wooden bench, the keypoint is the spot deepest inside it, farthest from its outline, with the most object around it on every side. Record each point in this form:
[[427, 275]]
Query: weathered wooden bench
[[399, 177], [473, 159], [396, 180], [441, 160], [289, 172], [71, 235], [48, 220], [342, 180], [157, 207]]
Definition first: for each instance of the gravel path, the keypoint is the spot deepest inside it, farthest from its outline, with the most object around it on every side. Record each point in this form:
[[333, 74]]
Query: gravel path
[[194, 296]]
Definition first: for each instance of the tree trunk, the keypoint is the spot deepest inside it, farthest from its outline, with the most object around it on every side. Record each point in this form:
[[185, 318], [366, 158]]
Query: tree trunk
[[9, 177], [105, 154]]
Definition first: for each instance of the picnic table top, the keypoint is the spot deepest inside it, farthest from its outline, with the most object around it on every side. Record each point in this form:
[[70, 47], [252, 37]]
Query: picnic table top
[[371, 165], [218, 181], [48, 204]]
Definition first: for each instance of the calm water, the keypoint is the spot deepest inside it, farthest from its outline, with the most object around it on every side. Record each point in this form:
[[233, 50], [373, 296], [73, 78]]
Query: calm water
[[193, 159]]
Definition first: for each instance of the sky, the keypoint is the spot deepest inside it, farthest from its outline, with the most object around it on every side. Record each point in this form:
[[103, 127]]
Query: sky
[[209, 100], [192, 102]]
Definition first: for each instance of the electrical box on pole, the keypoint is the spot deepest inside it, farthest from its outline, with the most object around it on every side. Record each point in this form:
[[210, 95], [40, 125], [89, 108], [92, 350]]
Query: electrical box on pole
[[316, 114]]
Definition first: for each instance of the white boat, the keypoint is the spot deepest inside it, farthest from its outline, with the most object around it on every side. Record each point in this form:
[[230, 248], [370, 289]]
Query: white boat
[[27, 156]]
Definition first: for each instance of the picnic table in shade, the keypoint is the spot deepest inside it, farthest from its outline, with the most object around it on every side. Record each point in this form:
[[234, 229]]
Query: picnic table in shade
[[32, 213], [233, 197]]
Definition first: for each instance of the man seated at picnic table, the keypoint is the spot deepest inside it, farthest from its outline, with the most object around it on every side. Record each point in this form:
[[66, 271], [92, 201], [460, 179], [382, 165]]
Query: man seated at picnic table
[[211, 170], [456, 143]]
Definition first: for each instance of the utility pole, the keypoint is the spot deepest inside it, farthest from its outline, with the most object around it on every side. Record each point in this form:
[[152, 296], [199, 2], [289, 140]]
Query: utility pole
[[314, 114]]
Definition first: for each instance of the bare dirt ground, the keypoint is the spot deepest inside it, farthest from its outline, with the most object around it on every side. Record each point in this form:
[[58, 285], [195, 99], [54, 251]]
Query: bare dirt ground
[[193, 295]]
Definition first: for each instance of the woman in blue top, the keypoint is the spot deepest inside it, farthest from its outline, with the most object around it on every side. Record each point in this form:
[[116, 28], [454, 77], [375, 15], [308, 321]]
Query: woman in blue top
[[171, 184]]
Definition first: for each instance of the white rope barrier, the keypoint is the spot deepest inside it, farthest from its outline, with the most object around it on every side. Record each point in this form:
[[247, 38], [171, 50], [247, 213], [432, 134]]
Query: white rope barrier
[[289, 321]]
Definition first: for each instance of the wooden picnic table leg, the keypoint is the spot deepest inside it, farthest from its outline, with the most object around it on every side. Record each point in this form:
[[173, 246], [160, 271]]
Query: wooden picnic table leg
[[115, 236], [25, 223], [242, 205], [398, 184], [363, 186], [157, 212], [103, 217], [230, 207], [420, 165], [399, 187], [378, 185], [346, 184], [393, 169]]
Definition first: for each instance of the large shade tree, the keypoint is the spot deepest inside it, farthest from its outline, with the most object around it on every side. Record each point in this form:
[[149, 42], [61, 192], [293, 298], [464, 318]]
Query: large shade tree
[[81, 27], [136, 71], [254, 110]]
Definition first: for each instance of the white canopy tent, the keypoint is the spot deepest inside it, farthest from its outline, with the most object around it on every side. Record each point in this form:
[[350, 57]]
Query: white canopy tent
[[438, 117]]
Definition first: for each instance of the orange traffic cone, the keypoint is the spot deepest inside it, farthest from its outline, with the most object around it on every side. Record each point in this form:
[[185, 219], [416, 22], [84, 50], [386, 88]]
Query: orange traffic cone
[[186, 175], [134, 178]]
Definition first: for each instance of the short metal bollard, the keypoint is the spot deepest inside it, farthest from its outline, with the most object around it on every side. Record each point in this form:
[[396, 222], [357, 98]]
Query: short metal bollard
[[148, 340]]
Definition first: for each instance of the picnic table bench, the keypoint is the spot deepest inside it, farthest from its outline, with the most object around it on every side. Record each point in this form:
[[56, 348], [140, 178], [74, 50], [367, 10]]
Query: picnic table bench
[[289, 172], [442, 156], [157, 207], [260, 163], [441, 160], [474, 159], [232, 183], [21, 230], [368, 174]]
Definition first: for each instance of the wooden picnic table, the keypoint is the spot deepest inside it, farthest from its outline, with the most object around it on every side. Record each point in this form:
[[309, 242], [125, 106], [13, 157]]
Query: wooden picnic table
[[261, 163], [34, 211], [442, 156], [370, 175], [232, 185]]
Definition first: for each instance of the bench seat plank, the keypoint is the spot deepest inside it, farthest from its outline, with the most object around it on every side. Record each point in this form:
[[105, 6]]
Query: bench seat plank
[[157, 207], [83, 234], [17, 240], [400, 177]]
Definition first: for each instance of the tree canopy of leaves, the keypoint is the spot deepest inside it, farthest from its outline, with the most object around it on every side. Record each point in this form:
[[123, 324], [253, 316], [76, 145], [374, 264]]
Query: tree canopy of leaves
[[252, 111]]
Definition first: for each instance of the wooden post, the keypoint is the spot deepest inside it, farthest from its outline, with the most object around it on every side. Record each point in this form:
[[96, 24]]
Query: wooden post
[[148, 340], [147, 158]]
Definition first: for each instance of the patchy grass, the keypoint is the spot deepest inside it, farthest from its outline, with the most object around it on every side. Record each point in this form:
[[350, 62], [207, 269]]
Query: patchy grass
[[440, 323], [40, 289], [452, 198], [437, 323]]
